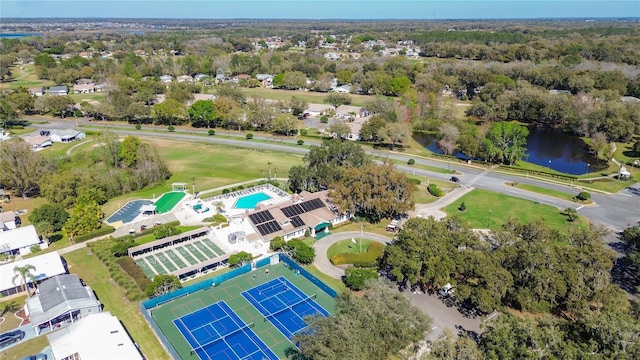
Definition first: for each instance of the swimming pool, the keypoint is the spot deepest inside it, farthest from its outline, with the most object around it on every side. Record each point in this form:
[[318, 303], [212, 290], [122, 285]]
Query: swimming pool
[[250, 201]]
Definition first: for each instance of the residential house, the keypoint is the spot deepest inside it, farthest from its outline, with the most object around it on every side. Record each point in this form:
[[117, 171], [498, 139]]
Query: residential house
[[332, 56], [66, 135], [200, 77], [265, 79], [61, 301], [84, 88], [349, 112], [19, 240], [38, 142], [184, 78], [165, 79], [46, 266], [220, 75], [84, 81], [37, 91], [98, 336], [140, 52], [58, 90], [315, 110], [7, 221], [103, 86], [343, 89]]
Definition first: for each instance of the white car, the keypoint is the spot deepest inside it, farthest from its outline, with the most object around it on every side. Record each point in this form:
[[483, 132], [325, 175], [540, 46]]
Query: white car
[[446, 290]]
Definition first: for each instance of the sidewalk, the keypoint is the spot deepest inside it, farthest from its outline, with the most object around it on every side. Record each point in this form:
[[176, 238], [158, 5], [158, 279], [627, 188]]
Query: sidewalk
[[433, 209]]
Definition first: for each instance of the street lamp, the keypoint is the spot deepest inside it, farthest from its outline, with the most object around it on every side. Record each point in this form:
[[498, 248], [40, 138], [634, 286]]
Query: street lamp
[[588, 168], [489, 222]]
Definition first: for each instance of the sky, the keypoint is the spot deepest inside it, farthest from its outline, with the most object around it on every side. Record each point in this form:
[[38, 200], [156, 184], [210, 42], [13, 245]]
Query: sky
[[319, 9]]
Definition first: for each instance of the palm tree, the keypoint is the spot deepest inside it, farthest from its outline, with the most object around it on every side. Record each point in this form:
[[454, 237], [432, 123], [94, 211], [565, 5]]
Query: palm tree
[[24, 273]]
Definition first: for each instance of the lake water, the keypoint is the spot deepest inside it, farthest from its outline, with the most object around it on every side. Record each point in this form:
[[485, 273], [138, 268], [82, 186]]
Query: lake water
[[546, 147], [18, 35]]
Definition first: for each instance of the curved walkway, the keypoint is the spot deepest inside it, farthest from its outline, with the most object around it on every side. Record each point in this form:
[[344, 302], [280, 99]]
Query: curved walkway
[[321, 246]]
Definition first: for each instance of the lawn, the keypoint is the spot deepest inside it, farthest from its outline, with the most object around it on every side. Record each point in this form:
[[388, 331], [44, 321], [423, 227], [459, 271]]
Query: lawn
[[487, 209], [550, 192], [335, 284], [29, 347], [94, 272], [347, 246], [208, 166], [309, 96], [10, 306]]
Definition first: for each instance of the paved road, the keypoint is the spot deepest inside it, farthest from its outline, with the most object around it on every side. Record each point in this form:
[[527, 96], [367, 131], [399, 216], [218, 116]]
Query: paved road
[[321, 246], [615, 211]]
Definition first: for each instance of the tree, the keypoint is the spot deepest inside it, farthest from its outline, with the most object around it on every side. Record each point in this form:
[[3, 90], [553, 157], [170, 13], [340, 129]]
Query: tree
[[284, 124], [85, 218], [340, 130], [337, 99], [239, 258], [449, 135], [394, 134], [21, 168], [300, 251], [59, 105], [202, 111], [372, 191], [129, 150], [377, 325], [505, 142], [277, 243], [52, 214], [170, 112], [231, 91], [399, 85], [24, 274], [571, 213], [298, 105], [355, 278], [344, 77], [163, 284], [293, 80], [180, 92], [7, 113]]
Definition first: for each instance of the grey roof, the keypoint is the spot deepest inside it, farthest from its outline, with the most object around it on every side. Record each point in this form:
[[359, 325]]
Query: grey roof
[[58, 88], [61, 288], [59, 295]]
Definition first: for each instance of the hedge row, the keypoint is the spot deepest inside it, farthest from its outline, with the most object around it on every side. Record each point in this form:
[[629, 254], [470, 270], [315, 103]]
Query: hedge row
[[368, 259], [435, 190], [102, 249], [130, 267], [537, 172], [103, 230]]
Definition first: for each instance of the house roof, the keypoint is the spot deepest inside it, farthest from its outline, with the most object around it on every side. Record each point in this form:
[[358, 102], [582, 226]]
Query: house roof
[[59, 295], [97, 336], [346, 109], [89, 86], [37, 140], [318, 107], [58, 88], [36, 89], [19, 238], [7, 216], [65, 133], [47, 265]]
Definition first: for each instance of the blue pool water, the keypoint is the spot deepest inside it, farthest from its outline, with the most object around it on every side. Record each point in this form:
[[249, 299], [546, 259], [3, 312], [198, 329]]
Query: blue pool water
[[250, 201]]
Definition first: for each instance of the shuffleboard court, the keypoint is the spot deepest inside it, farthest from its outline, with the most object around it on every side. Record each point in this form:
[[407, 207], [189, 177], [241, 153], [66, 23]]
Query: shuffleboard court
[[213, 246], [145, 268], [186, 255], [155, 264], [168, 201], [192, 249], [204, 249], [166, 262], [172, 255]]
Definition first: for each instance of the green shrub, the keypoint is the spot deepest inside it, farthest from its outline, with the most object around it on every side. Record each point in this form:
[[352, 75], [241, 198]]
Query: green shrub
[[303, 132], [104, 230], [138, 126], [300, 142], [435, 190], [277, 243], [211, 132], [356, 278], [462, 207], [249, 136], [239, 258], [414, 181], [368, 259], [35, 248], [132, 269], [300, 251], [584, 196], [166, 230], [411, 162], [171, 128], [324, 119]]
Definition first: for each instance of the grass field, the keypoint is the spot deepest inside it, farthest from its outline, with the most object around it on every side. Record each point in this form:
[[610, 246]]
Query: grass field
[[24, 76], [555, 193], [347, 246], [209, 166], [94, 272], [487, 209], [230, 292]]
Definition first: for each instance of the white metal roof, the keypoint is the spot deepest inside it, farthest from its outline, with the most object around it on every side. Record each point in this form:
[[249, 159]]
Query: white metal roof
[[18, 238], [97, 336], [47, 265]]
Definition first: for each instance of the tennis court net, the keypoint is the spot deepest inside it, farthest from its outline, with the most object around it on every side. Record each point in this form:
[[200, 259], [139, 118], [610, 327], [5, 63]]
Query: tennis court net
[[222, 338]]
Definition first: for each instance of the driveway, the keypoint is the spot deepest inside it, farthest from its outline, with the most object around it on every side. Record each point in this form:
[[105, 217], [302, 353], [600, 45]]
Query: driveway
[[321, 246]]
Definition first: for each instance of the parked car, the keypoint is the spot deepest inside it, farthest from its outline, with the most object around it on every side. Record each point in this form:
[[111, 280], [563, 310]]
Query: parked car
[[143, 227], [11, 337], [455, 179], [35, 357], [446, 290]]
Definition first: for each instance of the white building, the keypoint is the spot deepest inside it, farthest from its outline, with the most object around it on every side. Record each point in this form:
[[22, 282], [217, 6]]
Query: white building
[[98, 336], [46, 266], [66, 135], [38, 142], [18, 240]]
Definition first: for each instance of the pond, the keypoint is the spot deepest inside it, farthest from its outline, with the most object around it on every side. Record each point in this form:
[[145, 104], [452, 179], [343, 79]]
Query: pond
[[545, 147]]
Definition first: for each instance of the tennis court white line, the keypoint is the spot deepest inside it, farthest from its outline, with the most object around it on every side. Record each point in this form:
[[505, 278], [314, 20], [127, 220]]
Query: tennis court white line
[[191, 334], [257, 302], [243, 331], [303, 295]]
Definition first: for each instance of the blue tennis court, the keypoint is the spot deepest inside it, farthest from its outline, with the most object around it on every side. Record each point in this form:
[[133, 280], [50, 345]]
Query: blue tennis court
[[216, 332], [284, 305], [129, 211]]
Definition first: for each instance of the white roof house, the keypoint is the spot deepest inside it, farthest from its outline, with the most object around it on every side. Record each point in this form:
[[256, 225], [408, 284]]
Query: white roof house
[[38, 142], [19, 239], [66, 135], [47, 265], [317, 109], [7, 221], [166, 79], [97, 336]]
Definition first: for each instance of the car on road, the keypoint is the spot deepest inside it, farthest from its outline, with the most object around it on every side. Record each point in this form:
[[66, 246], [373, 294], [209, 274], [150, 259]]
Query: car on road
[[35, 357], [455, 179], [143, 227], [11, 337]]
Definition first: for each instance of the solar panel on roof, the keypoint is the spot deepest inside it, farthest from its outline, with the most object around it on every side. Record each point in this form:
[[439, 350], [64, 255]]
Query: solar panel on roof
[[293, 210], [297, 222], [261, 217], [268, 228]]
